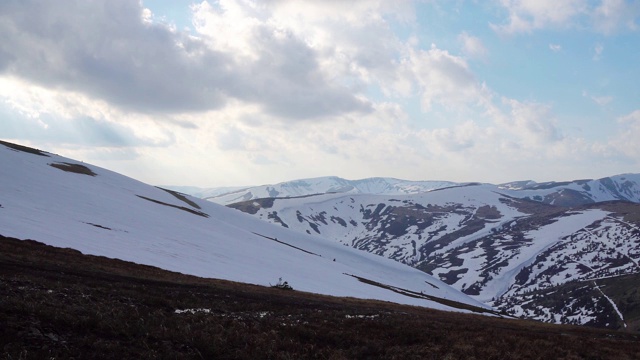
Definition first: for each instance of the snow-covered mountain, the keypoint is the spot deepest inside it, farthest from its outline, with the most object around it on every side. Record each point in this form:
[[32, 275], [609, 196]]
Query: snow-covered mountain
[[494, 243], [321, 185], [65, 203], [567, 193], [578, 192]]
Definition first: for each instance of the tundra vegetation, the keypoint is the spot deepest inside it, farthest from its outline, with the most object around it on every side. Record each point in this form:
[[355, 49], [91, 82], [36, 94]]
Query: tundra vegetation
[[59, 303]]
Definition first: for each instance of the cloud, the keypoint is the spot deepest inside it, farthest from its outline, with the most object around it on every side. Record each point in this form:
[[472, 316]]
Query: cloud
[[118, 56], [533, 124], [614, 15], [125, 62], [267, 91], [598, 49], [525, 16], [626, 139], [599, 100], [605, 16], [555, 47], [443, 78], [455, 139], [472, 46]]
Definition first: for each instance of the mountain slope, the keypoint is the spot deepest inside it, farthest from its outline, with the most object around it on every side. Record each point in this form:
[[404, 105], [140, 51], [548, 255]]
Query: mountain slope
[[480, 239], [65, 203]]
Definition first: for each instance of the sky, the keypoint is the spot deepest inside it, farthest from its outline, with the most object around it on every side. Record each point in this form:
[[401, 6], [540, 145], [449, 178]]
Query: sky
[[239, 92]]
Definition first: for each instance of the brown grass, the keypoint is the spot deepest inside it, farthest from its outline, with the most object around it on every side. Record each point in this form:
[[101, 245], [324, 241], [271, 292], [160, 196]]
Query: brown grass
[[23, 148], [58, 303], [73, 168], [195, 212], [181, 197]]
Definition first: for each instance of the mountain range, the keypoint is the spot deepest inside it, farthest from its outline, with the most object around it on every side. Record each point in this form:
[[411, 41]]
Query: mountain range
[[70, 204], [567, 193], [304, 187], [512, 246]]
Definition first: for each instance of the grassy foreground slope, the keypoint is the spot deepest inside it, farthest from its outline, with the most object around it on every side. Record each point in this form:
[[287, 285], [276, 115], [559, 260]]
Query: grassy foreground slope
[[58, 303]]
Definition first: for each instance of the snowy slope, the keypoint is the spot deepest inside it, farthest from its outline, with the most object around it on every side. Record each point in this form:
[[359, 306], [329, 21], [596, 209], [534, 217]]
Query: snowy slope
[[385, 224], [321, 185], [478, 238], [65, 203]]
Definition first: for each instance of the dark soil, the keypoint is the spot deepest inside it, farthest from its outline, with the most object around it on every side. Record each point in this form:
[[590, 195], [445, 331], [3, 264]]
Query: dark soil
[[58, 303]]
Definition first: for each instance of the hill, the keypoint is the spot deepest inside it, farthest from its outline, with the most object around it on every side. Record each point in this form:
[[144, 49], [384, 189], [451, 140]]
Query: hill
[[59, 303]]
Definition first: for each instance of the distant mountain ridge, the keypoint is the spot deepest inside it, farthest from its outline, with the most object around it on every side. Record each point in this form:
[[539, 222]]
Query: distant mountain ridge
[[567, 193], [312, 186]]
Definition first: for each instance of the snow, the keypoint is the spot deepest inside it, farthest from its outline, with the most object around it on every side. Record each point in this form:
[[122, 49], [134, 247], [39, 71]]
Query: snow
[[107, 215], [544, 237], [613, 304]]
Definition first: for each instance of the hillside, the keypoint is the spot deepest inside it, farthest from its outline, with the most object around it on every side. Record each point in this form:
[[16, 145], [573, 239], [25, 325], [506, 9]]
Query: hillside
[[58, 303], [493, 244], [65, 203]]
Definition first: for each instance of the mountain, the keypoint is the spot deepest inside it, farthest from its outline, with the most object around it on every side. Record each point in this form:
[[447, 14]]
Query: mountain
[[321, 185], [624, 187], [66, 203], [498, 244], [567, 193]]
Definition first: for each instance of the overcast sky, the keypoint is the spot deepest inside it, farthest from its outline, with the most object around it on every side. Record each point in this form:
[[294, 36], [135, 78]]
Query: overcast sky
[[239, 92]]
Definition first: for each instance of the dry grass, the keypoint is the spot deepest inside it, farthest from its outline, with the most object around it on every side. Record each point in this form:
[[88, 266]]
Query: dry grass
[[181, 197], [73, 168], [23, 148], [189, 210], [58, 303]]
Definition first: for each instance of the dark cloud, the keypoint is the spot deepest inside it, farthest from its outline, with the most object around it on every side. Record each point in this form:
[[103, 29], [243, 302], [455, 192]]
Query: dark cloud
[[105, 49], [287, 80]]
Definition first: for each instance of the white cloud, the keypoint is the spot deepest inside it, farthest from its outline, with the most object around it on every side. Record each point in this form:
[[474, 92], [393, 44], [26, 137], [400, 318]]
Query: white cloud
[[598, 49], [555, 47], [626, 139], [599, 100], [614, 15], [604, 16], [525, 16], [532, 124], [444, 79], [472, 46]]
